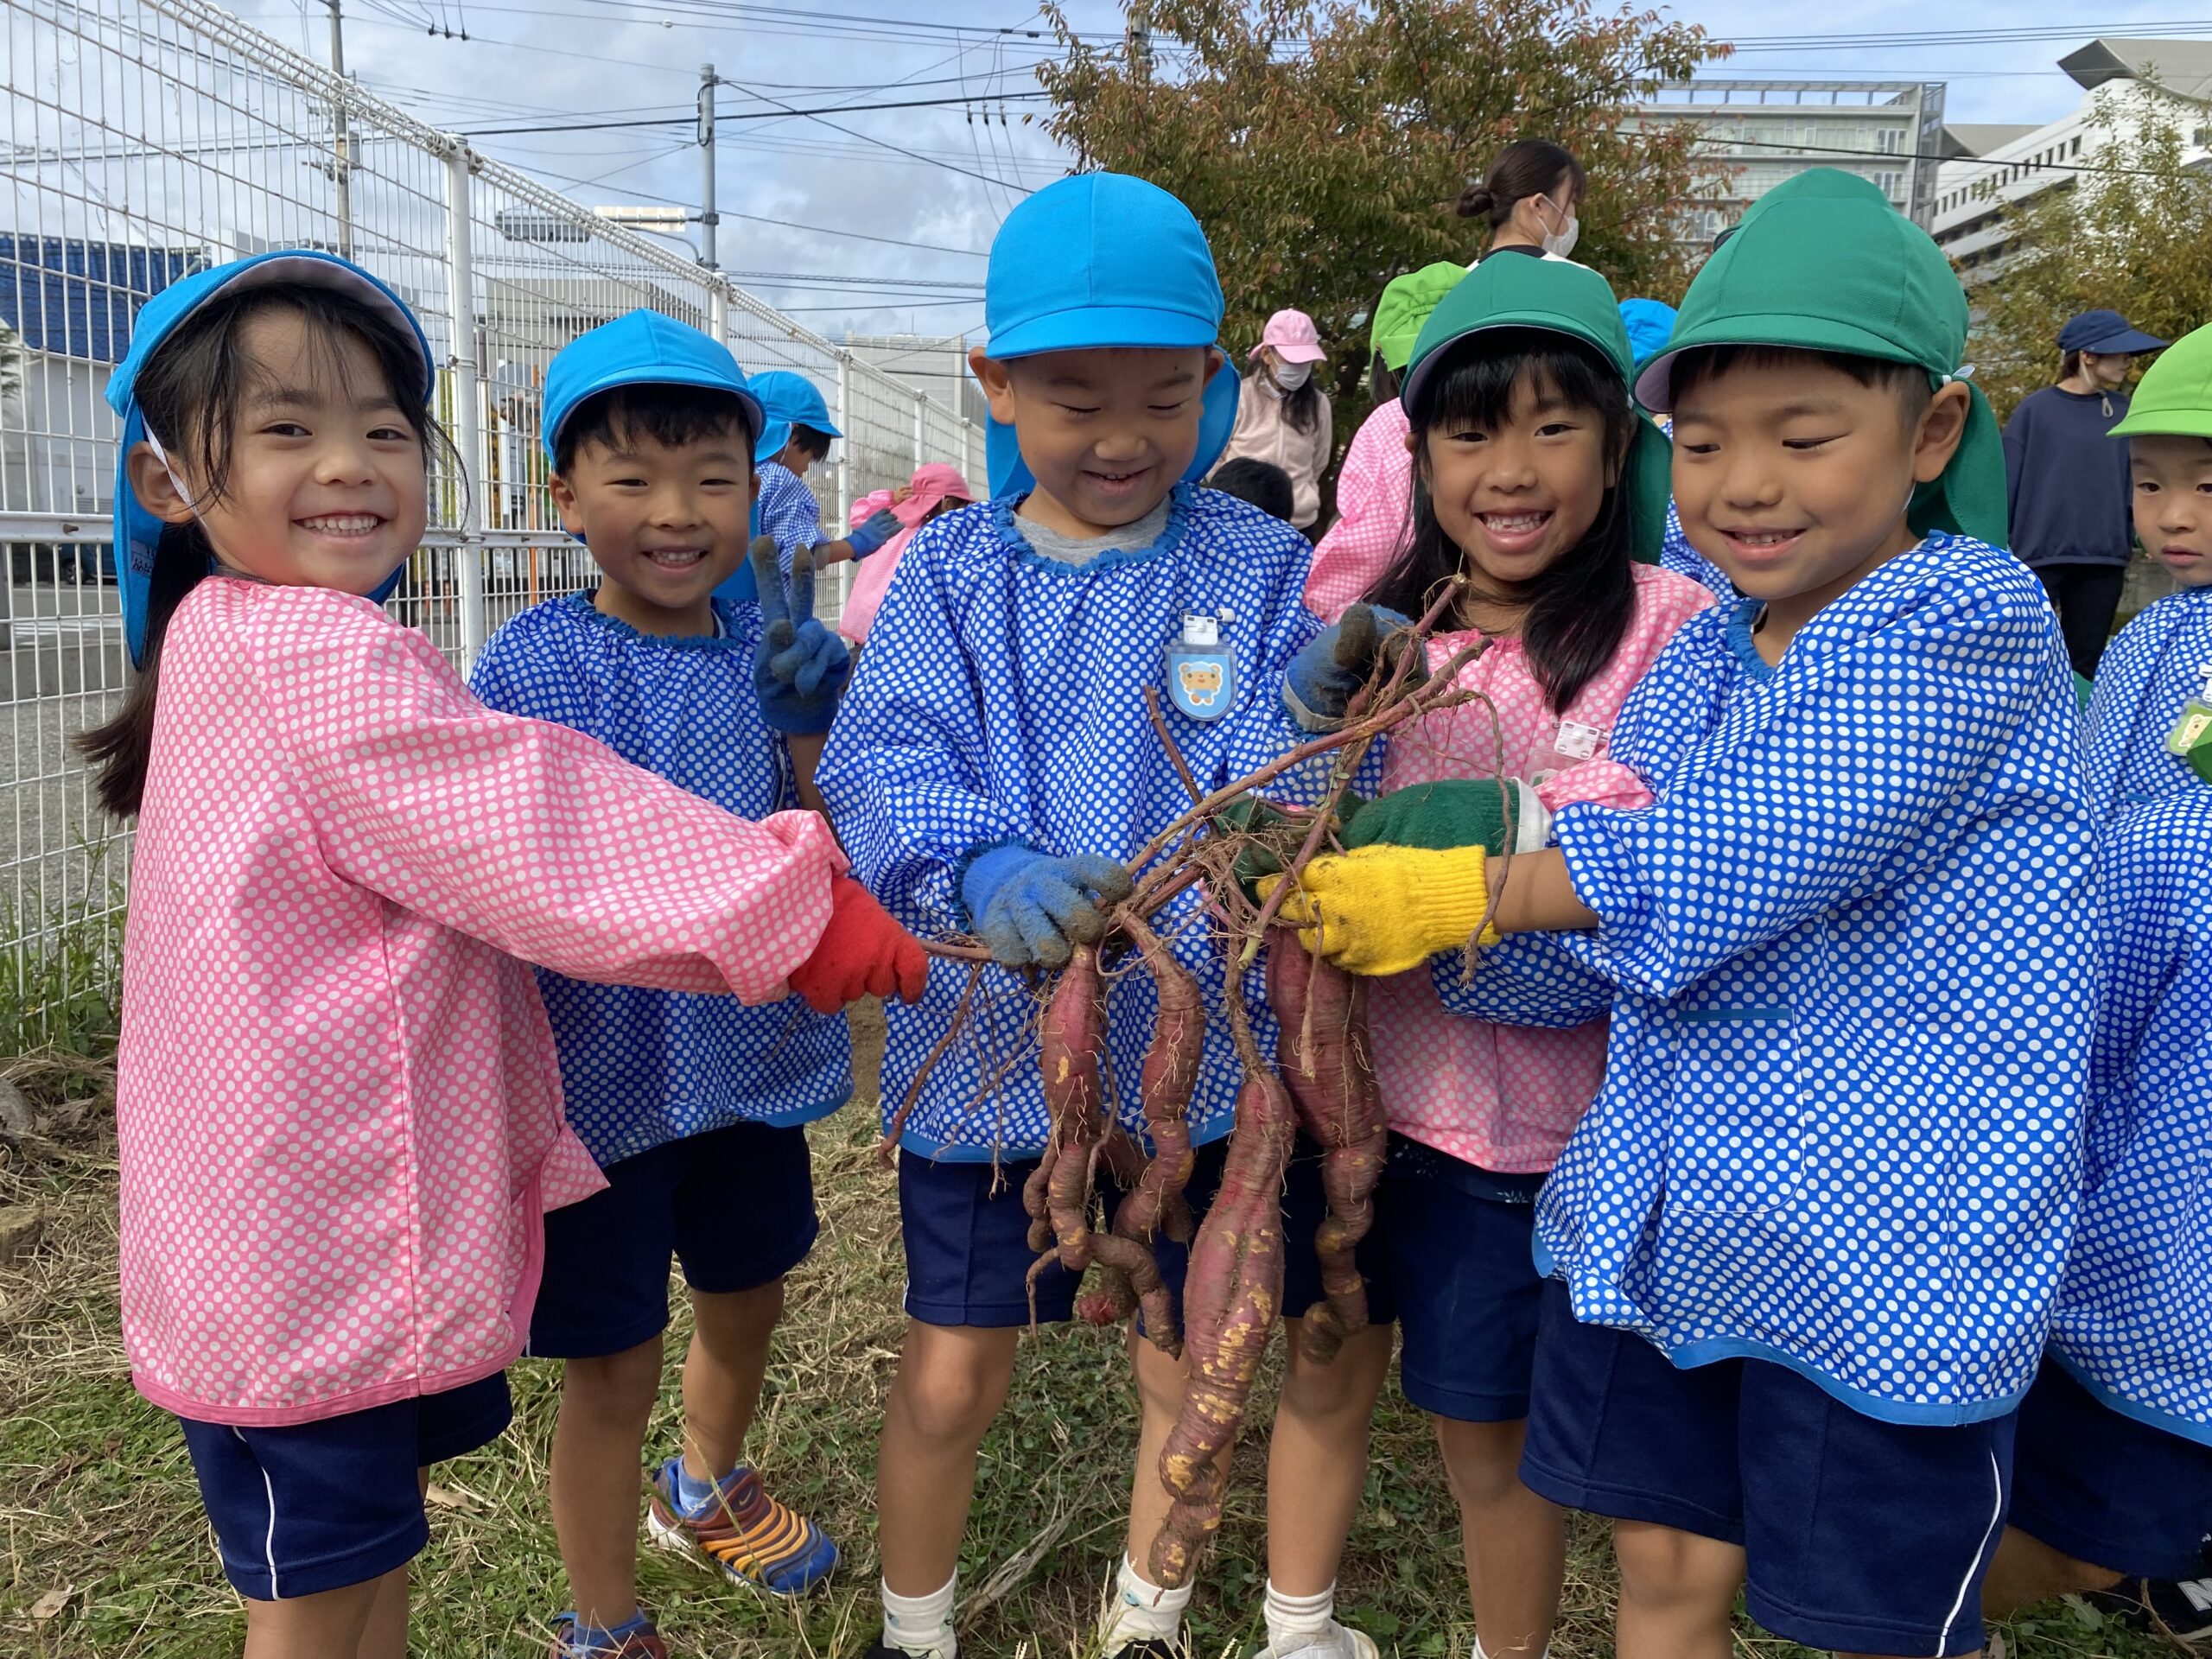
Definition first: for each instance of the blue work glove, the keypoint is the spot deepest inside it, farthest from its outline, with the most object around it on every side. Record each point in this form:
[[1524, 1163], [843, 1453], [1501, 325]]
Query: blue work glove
[[1333, 664], [875, 530], [1032, 908], [800, 667]]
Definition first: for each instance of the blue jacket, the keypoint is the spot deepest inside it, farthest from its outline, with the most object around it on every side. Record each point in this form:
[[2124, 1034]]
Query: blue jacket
[[1855, 944], [2146, 678]]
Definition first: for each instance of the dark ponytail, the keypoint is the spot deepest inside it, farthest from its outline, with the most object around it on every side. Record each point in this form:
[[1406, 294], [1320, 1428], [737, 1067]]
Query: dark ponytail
[[189, 392], [1527, 167], [1585, 602]]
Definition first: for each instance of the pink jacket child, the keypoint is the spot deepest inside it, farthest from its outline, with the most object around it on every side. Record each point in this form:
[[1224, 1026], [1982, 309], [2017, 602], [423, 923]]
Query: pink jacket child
[[338, 1101], [1374, 491], [934, 486], [1507, 1097]]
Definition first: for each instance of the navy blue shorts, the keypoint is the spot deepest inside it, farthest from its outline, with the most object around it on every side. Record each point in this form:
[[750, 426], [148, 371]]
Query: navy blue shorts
[[318, 1506], [1459, 1272], [1861, 1536], [967, 1254], [735, 1206], [2106, 1488]]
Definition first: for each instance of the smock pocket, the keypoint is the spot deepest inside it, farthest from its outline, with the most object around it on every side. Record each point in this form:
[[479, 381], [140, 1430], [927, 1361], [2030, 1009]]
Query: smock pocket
[[1735, 1143]]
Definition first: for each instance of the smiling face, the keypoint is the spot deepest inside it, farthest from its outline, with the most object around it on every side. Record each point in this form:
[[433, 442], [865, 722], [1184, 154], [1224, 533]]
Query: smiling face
[[666, 523], [2173, 503], [1520, 494], [325, 479], [1793, 476], [1107, 432]]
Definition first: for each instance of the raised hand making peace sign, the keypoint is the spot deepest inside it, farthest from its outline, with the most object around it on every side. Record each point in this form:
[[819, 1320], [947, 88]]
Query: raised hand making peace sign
[[800, 667]]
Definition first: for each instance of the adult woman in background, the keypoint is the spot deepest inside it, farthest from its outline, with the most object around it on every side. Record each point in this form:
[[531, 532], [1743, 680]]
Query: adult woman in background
[[1528, 197], [1283, 416]]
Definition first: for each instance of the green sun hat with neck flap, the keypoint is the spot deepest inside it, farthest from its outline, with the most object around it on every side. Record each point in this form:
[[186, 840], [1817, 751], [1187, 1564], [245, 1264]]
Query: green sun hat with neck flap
[[2174, 398], [1825, 263], [1556, 296]]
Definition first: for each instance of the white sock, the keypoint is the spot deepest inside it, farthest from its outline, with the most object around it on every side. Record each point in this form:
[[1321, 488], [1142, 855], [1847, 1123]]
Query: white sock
[[1479, 1654], [921, 1624], [1141, 1611], [1291, 1619]]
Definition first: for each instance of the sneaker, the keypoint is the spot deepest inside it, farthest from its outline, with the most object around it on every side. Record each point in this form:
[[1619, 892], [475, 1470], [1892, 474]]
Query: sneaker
[[749, 1534], [881, 1649], [643, 1642], [1338, 1641], [2180, 1611]]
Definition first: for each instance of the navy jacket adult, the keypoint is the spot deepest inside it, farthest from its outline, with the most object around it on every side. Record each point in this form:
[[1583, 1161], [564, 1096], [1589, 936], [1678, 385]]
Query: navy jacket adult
[[2068, 478]]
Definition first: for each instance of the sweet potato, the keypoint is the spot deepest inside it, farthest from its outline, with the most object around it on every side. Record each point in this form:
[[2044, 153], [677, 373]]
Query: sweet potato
[[1071, 1047], [1322, 1048], [1232, 1295], [1169, 1079]]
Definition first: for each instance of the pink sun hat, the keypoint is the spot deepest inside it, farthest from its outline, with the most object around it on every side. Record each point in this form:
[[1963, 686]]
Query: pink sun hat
[[938, 482], [1293, 336]]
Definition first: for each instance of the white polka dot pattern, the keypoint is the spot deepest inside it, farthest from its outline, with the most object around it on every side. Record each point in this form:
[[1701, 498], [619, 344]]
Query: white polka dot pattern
[[2147, 675], [639, 1068], [1855, 939], [1506, 1096], [788, 512], [1001, 699], [1676, 554], [338, 1101], [2131, 1315]]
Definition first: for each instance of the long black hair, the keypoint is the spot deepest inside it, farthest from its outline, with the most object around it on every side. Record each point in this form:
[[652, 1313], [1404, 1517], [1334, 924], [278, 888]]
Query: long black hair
[[1581, 608], [189, 392], [1301, 408]]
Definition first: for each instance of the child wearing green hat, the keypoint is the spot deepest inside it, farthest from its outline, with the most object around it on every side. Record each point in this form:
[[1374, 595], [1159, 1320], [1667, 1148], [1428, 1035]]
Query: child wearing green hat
[[1805, 1244], [2157, 667], [1544, 493], [1375, 486], [2115, 1454], [993, 769]]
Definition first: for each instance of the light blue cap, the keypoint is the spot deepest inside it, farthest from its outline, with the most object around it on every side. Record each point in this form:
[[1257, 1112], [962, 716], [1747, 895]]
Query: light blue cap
[[790, 399], [137, 533], [1649, 323], [1095, 262], [644, 348]]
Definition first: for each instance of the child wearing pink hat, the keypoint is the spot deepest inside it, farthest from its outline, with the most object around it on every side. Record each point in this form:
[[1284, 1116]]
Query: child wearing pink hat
[[934, 490], [1283, 416]]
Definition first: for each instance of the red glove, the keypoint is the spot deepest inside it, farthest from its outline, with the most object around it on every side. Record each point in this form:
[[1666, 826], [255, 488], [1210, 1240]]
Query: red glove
[[861, 953]]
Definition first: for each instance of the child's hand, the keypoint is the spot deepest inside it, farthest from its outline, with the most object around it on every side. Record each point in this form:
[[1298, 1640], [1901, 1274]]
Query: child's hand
[[1032, 907], [800, 669], [1322, 679], [1385, 909], [861, 953], [879, 528]]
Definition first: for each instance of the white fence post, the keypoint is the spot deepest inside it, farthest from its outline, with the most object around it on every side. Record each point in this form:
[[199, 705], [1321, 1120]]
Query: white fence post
[[468, 405], [850, 428]]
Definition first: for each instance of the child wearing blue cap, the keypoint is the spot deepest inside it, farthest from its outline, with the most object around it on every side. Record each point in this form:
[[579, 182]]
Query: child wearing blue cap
[[337, 1099], [796, 435], [692, 1105], [993, 767], [1804, 1246]]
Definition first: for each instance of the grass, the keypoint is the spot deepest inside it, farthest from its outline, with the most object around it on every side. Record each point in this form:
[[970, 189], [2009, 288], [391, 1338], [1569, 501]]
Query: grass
[[108, 1556]]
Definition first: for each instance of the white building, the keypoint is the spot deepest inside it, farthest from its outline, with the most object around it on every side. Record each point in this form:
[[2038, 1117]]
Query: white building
[[1992, 167], [1755, 134]]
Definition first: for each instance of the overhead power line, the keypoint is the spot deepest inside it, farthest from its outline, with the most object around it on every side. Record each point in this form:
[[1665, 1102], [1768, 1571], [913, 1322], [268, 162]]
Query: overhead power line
[[691, 117]]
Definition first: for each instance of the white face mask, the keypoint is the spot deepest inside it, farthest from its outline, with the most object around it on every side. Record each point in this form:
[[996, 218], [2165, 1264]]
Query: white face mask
[[1291, 376], [1561, 243], [162, 456]]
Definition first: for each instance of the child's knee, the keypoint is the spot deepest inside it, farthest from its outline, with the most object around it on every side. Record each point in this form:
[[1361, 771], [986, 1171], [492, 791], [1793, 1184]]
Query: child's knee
[[950, 1393], [614, 1389], [1482, 1461], [1665, 1566], [1344, 1390], [1159, 1379]]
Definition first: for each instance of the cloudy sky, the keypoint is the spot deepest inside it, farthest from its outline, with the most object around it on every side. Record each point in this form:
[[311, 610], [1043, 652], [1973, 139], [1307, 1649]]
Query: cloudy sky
[[932, 181]]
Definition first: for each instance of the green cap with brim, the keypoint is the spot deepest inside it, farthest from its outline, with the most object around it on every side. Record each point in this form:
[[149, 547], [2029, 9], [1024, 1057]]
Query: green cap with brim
[[1560, 297], [2174, 398], [1405, 305], [1824, 264]]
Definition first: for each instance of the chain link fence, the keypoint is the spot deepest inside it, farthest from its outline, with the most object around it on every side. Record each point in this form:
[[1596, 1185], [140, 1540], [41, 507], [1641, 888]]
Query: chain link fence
[[149, 139]]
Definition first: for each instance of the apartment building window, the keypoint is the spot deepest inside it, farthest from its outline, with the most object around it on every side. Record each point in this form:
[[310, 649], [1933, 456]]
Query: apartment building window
[[1892, 140], [1891, 183], [2077, 143]]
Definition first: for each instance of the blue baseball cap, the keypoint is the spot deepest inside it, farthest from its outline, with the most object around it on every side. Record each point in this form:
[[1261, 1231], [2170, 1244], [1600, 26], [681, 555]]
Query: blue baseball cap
[[1095, 262], [790, 399], [2107, 334], [1649, 323], [644, 348], [137, 533]]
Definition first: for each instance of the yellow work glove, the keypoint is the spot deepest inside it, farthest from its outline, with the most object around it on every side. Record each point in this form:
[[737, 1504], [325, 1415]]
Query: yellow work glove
[[1386, 909]]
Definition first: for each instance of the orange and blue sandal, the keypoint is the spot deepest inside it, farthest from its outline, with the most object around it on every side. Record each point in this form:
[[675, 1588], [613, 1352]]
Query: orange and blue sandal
[[737, 1527], [574, 1639]]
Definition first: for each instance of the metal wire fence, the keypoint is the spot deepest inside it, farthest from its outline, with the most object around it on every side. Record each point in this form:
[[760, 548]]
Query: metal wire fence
[[148, 139]]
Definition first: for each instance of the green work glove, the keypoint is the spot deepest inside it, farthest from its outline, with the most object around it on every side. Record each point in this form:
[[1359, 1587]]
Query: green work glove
[[1498, 815]]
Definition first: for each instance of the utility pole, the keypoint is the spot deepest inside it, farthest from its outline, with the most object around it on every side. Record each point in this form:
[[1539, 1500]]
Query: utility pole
[[709, 218], [343, 171]]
